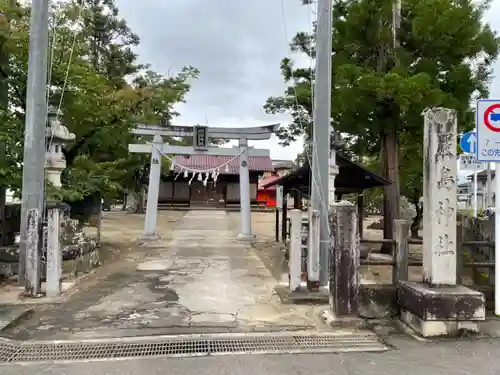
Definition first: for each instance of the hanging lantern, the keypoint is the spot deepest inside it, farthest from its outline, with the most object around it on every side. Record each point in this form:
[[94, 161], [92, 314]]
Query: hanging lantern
[[186, 173]]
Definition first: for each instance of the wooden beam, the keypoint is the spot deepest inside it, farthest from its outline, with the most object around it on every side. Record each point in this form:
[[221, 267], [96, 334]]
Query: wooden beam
[[189, 150], [250, 133]]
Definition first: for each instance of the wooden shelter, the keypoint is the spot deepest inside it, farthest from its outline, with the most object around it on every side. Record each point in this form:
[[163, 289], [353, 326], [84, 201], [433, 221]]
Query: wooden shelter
[[353, 178]]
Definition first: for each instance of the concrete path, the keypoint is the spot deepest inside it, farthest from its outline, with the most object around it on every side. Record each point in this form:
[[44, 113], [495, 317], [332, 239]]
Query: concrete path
[[200, 280]]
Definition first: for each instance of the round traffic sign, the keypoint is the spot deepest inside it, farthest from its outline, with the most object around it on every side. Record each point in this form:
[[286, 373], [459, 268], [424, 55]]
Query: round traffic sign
[[487, 120]]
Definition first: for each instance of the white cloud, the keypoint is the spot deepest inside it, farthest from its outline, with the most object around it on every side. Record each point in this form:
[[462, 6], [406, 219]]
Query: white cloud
[[238, 46]]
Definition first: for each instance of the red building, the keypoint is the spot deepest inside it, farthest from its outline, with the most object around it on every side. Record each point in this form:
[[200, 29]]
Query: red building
[[267, 195]]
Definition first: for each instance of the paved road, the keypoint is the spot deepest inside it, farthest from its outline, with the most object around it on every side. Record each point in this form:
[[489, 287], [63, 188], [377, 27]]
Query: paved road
[[448, 358], [201, 279]]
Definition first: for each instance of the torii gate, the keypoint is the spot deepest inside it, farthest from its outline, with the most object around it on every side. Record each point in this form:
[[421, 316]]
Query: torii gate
[[201, 136]]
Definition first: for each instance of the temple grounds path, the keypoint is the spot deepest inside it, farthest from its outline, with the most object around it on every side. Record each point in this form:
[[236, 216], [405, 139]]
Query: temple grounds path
[[196, 279]]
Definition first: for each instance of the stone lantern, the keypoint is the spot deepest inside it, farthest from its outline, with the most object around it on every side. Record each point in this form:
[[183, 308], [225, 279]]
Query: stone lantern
[[56, 136]]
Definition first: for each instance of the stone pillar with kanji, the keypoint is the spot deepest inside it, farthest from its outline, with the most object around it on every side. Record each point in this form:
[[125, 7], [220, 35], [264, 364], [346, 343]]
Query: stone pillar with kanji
[[437, 305], [56, 136]]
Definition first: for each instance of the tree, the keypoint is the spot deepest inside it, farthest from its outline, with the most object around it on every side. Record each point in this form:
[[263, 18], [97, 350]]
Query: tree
[[99, 105], [110, 41], [378, 93]]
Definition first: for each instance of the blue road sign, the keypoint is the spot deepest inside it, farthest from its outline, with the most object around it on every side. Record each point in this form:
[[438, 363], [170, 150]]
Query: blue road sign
[[468, 142]]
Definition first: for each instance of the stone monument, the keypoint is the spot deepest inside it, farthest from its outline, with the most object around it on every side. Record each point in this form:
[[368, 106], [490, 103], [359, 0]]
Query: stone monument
[[438, 306]]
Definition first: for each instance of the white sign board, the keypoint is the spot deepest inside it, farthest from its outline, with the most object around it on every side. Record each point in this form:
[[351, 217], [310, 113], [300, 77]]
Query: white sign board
[[488, 130], [469, 162], [279, 197]]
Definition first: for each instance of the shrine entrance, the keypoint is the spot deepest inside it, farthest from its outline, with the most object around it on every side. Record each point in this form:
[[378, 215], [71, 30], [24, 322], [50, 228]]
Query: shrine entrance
[[205, 175], [210, 195]]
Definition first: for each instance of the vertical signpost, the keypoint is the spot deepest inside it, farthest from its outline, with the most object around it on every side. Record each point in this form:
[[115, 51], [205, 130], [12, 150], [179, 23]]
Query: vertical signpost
[[469, 162], [488, 150]]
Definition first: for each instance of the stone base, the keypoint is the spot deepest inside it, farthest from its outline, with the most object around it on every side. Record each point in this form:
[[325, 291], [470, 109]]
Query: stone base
[[438, 311], [335, 321], [246, 237], [298, 297], [434, 328], [149, 237]]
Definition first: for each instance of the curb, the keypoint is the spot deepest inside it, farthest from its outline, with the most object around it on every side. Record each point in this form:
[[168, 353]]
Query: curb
[[13, 317]]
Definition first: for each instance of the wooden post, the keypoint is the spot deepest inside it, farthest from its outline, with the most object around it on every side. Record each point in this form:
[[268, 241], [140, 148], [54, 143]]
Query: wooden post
[[283, 218], [277, 225], [401, 230], [344, 259], [295, 251], [99, 221], [361, 211], [297, 200]]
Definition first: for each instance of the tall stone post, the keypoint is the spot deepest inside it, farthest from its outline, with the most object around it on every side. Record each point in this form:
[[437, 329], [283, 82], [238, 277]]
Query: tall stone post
[[438, 306], [313, 247], [54, 254], [344, 260], [295, 251], [56, 136], [245, 207], [440, 197], [149, 232]]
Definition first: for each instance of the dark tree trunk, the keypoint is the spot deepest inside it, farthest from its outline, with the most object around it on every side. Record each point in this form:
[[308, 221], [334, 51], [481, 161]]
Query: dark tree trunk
[[417, 220], [391, 192], [124, 204]]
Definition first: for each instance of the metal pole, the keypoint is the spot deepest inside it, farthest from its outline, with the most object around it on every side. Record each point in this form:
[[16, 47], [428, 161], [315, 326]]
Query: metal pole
[[474, 202], [497, 238], [321, 130], [489, 187], [34, 143]]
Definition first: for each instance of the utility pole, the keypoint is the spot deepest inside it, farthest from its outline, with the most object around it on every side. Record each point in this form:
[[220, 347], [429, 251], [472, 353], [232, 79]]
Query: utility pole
[[321, 131], [34, 148]]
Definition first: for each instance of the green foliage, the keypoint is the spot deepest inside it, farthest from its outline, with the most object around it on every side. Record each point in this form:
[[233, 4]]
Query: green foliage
[[103, 91], [444, 59]]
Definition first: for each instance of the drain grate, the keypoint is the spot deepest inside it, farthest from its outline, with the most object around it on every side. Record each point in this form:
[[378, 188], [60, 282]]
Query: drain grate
[[186, 346]]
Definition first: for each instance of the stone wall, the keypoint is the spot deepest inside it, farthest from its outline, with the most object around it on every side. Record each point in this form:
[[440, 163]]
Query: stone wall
[[80, 251]]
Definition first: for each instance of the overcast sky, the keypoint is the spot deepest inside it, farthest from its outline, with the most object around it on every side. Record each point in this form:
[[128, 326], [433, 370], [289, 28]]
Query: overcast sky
[[237, 45]]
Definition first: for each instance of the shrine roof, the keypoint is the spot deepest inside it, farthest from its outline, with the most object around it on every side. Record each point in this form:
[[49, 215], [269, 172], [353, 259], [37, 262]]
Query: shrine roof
[[353, 177], [204, 162], [267, 182]]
